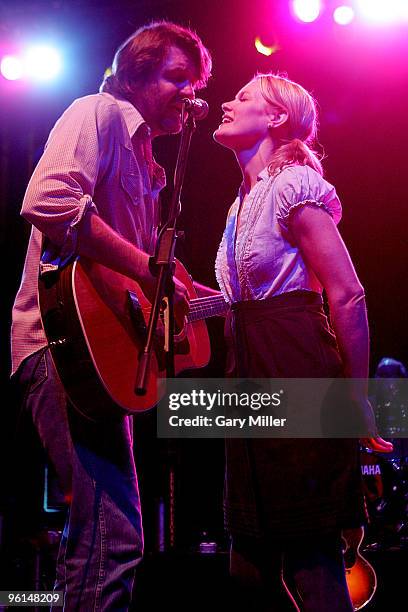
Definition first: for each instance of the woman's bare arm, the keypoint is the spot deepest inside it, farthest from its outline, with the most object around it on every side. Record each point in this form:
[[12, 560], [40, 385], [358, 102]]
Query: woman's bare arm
[[325, 253]]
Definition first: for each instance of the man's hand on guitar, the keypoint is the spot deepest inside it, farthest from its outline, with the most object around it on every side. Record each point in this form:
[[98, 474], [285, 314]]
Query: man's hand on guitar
[[181, 302], [181, 296]]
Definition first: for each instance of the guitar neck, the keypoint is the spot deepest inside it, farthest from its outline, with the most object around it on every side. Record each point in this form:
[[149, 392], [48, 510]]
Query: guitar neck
[[203, 308]]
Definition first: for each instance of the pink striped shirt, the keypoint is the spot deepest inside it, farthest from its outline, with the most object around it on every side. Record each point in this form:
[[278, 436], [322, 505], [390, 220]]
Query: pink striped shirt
[[98, 157]]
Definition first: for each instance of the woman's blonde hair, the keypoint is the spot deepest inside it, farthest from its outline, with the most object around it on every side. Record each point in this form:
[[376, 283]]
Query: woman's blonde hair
[[301, 126]]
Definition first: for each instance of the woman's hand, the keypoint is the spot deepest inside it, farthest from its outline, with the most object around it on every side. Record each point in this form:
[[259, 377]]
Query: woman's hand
[[374, 443], [377, 444], [367, 418]]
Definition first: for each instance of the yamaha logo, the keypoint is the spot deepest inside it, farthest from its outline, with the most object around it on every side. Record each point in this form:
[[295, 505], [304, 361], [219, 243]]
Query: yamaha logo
[[371, 470]]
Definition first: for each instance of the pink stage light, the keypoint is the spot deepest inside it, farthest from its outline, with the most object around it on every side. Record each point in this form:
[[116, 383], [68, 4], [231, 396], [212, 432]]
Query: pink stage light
[[383, 11], [306, 10], [343, 15], [11, 67]]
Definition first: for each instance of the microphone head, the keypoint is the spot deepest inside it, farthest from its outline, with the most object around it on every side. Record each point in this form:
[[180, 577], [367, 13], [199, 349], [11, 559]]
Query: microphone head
[[197, 107]]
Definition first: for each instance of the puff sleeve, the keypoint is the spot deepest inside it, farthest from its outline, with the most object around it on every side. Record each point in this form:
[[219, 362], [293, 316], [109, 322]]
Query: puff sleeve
[[298, 186]]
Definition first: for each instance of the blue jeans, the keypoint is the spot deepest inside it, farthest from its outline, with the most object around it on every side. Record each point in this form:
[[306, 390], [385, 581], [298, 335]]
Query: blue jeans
[[102, 541]]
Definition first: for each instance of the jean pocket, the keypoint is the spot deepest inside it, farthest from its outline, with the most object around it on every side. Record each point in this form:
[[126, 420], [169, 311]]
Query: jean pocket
[[39, 371]]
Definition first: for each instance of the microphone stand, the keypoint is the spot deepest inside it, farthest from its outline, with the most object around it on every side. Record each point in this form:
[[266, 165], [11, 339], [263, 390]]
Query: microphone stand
[[162, 265]]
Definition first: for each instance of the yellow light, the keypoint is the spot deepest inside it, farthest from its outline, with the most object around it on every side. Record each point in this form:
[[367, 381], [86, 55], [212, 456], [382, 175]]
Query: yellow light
[[261, 48]]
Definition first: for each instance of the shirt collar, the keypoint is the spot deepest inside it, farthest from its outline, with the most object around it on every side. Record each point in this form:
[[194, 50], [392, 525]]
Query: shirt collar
[[264, 174], [132, 117], [135, 123]]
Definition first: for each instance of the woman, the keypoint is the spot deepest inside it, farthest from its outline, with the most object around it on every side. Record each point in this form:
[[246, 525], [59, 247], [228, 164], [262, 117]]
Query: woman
[[287, 500]]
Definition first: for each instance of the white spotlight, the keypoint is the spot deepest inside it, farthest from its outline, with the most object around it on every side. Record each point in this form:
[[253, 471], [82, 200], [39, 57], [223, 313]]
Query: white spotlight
[[343, 15], [306, 10], [382, 11], [42, 63], [11, 67]]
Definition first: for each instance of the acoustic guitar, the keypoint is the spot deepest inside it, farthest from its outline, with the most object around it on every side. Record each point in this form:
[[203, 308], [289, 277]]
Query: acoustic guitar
[[95, 321]]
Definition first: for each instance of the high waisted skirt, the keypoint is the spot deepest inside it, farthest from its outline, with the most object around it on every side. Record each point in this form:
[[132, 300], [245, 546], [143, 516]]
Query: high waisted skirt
[[287, 488]]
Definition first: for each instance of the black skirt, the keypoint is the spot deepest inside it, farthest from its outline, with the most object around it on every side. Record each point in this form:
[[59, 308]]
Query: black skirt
[[287, 488]]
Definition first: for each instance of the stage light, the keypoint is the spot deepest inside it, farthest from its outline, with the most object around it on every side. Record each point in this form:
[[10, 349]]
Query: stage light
[[264, 49], [306, 10], [42, 63], [383, 11], [343, 15], [11, 67]]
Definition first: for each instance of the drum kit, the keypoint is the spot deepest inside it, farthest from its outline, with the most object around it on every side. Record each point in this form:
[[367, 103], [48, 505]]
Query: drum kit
[[385, 476], [385, 485]]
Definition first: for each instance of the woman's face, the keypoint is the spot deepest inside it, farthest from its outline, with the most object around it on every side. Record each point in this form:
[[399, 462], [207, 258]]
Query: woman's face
[[245, 119]]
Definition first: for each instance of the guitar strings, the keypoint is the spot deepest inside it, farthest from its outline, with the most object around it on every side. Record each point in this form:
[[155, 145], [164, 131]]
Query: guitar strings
[[200, 306]]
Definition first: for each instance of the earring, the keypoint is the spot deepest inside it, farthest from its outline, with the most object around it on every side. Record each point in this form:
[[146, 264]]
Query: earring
[[269, 126]]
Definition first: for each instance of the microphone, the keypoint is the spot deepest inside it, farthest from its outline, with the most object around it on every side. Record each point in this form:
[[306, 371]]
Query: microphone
[[197, 107]]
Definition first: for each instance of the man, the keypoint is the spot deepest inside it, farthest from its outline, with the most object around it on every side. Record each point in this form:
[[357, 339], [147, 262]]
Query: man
[[94, 194]]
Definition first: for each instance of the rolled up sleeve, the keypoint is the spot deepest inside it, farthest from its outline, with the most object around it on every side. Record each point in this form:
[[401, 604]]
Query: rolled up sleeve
[[62, 186]]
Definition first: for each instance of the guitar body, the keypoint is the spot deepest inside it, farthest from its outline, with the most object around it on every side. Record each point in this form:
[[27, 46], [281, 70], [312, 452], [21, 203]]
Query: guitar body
[[360, 575], [95, 321]]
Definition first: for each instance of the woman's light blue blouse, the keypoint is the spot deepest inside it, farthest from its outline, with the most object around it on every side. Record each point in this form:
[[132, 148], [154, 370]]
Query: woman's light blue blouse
[[260, 259]]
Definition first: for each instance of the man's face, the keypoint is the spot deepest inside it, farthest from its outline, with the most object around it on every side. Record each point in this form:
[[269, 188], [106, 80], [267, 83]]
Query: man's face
[[159, 100]]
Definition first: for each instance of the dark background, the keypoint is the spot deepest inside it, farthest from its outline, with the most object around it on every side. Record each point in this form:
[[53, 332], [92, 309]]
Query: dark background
[[359, 75]]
